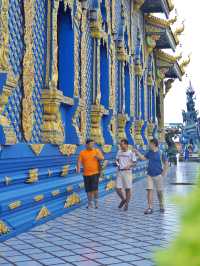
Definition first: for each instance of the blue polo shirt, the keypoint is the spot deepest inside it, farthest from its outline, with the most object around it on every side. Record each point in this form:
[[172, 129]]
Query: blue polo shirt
[[155, 162]]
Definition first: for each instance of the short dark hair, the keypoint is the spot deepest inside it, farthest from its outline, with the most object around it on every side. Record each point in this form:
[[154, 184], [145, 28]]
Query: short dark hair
[[155, 142], [125, 141], [88, 141]]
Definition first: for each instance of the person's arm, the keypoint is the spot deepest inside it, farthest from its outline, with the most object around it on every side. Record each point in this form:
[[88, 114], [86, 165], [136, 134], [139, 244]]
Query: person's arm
[[165, 166], [78, 166], [99, 156], [140, 155]]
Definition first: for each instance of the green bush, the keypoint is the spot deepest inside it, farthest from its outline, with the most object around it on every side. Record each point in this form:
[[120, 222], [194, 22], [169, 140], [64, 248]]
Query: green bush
[[185, 250]]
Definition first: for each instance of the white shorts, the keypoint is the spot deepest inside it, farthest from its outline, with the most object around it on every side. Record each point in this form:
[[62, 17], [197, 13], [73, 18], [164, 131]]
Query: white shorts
[[124, 179]]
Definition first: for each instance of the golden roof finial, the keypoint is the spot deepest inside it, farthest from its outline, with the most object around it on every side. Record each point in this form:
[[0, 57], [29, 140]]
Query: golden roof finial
[[173, 20], [180, 29]]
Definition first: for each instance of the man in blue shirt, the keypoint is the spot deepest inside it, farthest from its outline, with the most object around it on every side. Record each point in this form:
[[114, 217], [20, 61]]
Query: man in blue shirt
[[157, 169]]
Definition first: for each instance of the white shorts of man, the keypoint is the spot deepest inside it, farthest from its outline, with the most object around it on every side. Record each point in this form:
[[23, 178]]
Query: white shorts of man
[[124, 182]]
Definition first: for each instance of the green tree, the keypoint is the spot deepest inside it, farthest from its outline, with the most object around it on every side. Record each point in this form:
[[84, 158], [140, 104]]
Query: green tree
[[185, 250]]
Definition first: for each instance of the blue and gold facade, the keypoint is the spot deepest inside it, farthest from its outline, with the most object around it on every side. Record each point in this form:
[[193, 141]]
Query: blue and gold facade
[[70, 70]]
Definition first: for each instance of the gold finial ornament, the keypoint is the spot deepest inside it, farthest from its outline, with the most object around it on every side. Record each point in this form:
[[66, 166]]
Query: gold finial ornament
[[44, 212]]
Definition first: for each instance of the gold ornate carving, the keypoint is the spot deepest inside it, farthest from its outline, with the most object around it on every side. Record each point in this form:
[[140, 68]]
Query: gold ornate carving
[[55, 192], [65, 170], [44, 212], [80, 112], [72, 200], [96, 25], [112, 74], [33, 176], [67, 149], [151, 42], [150, 128], [8, 130], [37, 148], [138, 4], [122, 120], [96, 130], [15, 205], [178, 32], [138, 70], [170, 5], [138, 130], [110, 185], [52, 128], [184, 64], [28, 71], [3, 228], [168, 85], [4, 37], [122, 53], [107, 148], [39, 197]]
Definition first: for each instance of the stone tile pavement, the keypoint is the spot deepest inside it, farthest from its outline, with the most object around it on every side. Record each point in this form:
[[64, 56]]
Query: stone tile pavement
[[105, 236]]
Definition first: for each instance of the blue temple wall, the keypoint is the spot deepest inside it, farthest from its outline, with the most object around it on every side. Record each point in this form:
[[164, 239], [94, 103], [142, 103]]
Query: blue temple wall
[[21, 202]]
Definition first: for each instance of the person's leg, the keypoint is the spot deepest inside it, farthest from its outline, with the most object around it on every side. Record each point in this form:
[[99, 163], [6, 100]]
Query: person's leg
[[159, 189], [119, 190], [149, 210], [95, 185], [88, 190], [127, 182]]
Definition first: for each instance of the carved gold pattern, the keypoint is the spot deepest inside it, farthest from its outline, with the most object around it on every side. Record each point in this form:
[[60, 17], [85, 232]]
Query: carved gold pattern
[[96, 130], [8, 130], [110, 185], [72, 200], [65, 170], [150, 128], [112, 74], [178, 32], [68, 149], [122, 120], [3, 228], [138, 131], [107, 148], [138, 4], [15, 205], [55, 193], [4, 37], [185, 63], [33, 176], [52, 127], [37, 148], [28, 70], [39, 197], [44, 212]]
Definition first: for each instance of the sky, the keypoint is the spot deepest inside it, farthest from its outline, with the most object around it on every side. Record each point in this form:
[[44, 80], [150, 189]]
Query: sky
[[175, 100]]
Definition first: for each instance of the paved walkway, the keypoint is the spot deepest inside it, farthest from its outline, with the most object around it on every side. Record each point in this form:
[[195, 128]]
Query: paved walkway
[[105, 236]]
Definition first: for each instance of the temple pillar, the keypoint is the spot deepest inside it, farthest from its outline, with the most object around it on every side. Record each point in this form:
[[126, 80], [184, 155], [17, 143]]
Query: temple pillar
[[138, 132], [52, 127]]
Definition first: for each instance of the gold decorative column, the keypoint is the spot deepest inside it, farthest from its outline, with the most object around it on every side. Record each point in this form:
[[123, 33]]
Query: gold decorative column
[[97, 110], [122, 120], [138, 131], [11, 81], [96, 129], [28, 71], [138, 4], [52, 128], [161, 126], [150, 128]]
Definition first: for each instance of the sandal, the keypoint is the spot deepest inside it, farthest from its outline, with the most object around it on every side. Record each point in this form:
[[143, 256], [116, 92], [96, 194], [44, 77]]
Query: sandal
[[121, 204], [162, 210], [148, 211], [126, 206]]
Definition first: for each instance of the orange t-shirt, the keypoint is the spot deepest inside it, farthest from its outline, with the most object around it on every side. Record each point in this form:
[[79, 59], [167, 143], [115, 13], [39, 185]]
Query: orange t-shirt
[[90, 163]]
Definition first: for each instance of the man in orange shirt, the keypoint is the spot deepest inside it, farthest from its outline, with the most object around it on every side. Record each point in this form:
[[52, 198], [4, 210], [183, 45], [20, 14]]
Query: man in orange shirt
[[90, 160]]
